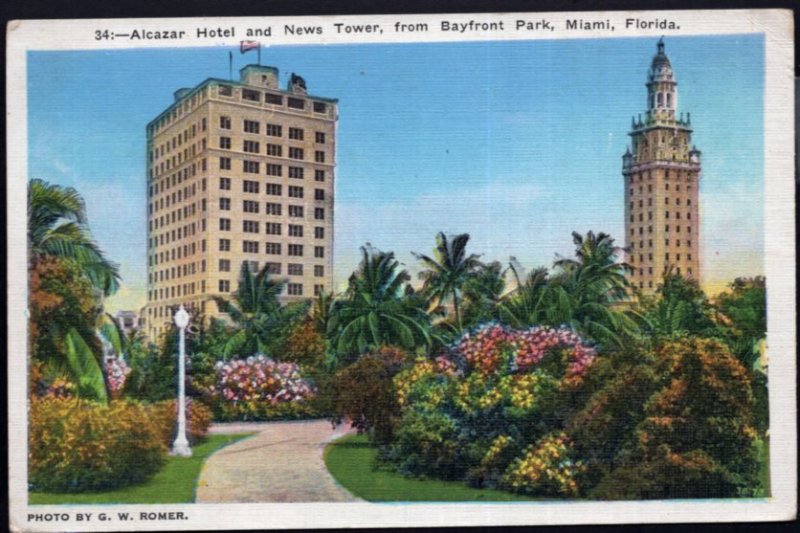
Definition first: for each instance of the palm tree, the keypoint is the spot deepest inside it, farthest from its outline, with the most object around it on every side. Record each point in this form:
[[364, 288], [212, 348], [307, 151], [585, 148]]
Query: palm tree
[[257, 313], [448, 270], [321, 311], [528, 303], [57, 227], [375, 310]]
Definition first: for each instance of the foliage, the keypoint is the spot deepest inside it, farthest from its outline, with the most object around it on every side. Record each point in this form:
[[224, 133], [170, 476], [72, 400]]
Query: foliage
[[545, 468], [58, 227], [165, 416], [364, 393], [744, 309], [375, 312], [84, 368], [680, 308], [257, 314], [483, 292], [152, 377], [470, 412], [176, 482], [259, 388], [77, 446], [447, 272], [304, 345]]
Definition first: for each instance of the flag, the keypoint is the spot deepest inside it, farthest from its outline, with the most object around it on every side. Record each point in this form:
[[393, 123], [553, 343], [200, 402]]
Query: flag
[[248, 45]]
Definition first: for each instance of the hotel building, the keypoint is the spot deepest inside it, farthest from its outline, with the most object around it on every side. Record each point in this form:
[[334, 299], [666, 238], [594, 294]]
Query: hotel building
[[238, 171], [661, 170]]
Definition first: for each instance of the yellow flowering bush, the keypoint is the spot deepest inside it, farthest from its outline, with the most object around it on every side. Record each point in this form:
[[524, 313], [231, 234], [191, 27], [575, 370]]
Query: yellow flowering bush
[[78, 446], [545, 468]]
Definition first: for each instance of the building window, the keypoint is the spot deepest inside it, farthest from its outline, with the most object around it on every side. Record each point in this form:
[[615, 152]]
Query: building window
[[249, 94], [224, 245], [252, 146], [250, 186], [295, 230], [319, 194], [319, 251], [274, 189], [666, 228], [295, 192], [319, 233], [319, 213], [319, 271], [666, 214], [319, 175], [274, 149], [250, 247], [689, 201], [273, 209], [294, 269], [295, 103], [225, 163], [319, 156], [224, 265], [296, 172], [225, 204], [251, 167], [250, 226], [225, 224], [320, 107], [295, 289], [666, 256], [274, 99], [250, 206], [273, 228], [274, 130], [296, 211], [224, 184], [251, 126], [296, 134], [274, 170], [224, 285], [273, 268], [225, 90], [272, 248], [225, 143], [319, 137], [224, 123], [296, 250], [295, 153]]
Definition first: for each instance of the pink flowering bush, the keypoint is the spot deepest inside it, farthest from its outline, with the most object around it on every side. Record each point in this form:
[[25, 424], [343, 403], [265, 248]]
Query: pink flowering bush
[[117, 371], [480, 411], [259, 388]]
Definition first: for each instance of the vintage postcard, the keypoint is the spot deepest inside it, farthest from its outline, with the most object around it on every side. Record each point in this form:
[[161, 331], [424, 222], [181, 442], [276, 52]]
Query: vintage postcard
[[432, 270]]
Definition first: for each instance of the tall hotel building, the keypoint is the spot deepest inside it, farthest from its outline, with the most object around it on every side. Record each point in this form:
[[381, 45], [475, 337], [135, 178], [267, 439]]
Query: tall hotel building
[[661, 169], [238, 171]]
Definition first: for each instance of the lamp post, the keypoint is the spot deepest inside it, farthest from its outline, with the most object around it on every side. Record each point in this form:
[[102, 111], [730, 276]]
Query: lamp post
[[181, 445]]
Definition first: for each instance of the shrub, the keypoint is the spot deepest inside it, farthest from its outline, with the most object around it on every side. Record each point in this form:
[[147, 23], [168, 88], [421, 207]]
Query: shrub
[[545, 468], [258, 388], [78, 446], [364, 393], [165, 417]]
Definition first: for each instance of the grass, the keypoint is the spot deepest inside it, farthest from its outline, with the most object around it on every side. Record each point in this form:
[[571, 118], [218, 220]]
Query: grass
[[174, 483], [351, 461]]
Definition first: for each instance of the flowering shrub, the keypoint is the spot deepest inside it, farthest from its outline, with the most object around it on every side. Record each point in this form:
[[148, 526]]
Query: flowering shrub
[[545, 468], [470, 412], [116, 370], [258, 388], [78, 446], [165, 416]]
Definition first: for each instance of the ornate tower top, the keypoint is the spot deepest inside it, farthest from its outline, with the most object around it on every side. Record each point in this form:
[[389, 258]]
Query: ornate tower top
[[662, 90]]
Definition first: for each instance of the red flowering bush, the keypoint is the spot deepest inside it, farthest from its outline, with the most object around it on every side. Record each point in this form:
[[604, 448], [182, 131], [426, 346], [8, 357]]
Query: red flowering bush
[[258, 388]]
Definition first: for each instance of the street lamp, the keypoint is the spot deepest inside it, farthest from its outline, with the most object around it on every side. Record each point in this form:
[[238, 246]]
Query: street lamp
[[181, 445]]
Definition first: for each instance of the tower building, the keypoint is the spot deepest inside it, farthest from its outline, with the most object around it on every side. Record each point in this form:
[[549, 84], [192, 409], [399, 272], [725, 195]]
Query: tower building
[[238, 171], [661, 170]]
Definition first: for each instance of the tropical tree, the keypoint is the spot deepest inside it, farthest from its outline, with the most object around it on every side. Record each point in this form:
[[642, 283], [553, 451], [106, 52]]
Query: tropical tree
[[482, 294], [528, 303], [590, 289], [259, 318], [58, 227], [447, 271], [375, 310]]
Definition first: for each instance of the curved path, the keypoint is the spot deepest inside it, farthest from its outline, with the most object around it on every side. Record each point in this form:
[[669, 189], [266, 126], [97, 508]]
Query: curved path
[[282, 462]]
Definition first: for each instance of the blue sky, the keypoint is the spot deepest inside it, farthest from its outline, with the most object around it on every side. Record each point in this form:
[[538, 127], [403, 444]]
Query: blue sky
[[517, 143]]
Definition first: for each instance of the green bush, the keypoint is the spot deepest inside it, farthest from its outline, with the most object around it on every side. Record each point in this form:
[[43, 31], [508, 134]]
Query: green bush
[[79, 446]]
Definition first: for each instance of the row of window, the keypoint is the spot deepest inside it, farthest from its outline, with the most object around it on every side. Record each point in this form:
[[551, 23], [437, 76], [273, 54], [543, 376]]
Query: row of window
[[666, 229], [272, 189], [666, 202], [666, 215], [688, 243], [271, 248], [272, 169], [292, 102], [185, 107], [640, 175], [271, 130], [274, 150], [666, 257], [666, 188], [272, 228], [292, 269]]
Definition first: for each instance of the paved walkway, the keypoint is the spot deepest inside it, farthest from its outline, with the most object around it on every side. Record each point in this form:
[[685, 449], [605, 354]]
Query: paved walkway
[[281, 463]]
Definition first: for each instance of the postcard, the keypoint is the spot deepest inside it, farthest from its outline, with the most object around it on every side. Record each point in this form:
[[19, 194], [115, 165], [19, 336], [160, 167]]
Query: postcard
[[401, 270]]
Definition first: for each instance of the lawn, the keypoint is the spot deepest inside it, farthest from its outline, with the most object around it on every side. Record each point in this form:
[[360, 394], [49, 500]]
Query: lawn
[[351, 461], [175, 483]]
